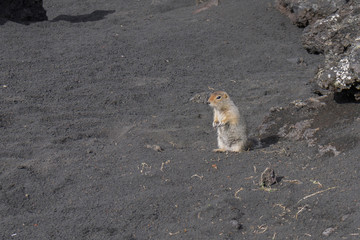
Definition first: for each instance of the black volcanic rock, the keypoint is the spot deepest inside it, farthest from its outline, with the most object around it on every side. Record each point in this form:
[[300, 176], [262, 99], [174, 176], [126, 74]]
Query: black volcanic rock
[[22, 11]]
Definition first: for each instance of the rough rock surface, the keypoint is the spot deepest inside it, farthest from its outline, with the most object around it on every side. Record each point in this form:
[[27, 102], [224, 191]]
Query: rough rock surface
[[22, 11], [305, 12], [268, 177], [309, 121], [332, 30], [338, 37]]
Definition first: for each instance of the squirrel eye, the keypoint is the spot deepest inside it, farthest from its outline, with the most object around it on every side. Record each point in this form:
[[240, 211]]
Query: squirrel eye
[[218, 97]]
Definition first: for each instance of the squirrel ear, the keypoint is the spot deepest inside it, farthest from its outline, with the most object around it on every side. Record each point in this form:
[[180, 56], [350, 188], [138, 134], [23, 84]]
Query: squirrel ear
[[225, 95]]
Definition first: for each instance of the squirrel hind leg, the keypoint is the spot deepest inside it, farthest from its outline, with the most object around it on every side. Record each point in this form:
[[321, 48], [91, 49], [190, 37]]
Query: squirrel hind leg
[[219, 150], [240, 147]]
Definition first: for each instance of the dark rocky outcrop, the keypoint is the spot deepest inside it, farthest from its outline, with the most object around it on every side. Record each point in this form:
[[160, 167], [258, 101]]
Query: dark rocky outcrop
[[305, 12], [332, 29], [22, 11]]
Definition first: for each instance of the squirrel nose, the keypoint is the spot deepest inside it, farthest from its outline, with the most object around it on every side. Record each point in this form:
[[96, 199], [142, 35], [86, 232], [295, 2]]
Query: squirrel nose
[[208, 102]]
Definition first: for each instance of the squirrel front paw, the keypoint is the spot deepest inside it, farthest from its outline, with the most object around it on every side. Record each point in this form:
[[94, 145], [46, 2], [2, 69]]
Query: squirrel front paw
[[221, 124], [217, 124]]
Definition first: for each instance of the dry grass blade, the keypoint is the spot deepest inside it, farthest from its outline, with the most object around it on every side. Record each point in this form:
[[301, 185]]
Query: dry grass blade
[[236, 196], [268, 189], [316, 182], [172, 234], [293, 181], [313, 194], [301, 209], [273, 238], [261, 229], [198, 176]]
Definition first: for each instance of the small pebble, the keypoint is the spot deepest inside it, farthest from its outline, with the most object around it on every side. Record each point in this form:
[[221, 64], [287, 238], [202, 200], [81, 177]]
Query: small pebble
[[268, 177], [328, 231], [235, 224], [343, 218], [293, 60], [155, 147]]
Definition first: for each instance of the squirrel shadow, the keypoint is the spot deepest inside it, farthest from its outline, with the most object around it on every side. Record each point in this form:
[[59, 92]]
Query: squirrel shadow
[[267, 141], [91, 17], [262, 143]]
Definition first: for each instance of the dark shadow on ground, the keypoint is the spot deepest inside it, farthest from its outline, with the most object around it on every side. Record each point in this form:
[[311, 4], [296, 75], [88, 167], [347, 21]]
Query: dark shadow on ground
[[267, 141], [278, 179], [347, 96], [91, 17], [255, 143]]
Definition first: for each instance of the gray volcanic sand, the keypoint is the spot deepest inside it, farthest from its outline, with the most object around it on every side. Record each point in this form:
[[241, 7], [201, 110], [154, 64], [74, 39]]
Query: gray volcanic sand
[[83, 95]]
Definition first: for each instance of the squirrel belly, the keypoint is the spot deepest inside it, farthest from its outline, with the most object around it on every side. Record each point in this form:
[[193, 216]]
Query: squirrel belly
[[231, 138], [231, 126]]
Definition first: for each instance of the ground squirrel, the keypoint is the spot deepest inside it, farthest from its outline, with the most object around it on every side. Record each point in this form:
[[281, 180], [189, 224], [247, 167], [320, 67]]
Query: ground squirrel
[[231, 126]]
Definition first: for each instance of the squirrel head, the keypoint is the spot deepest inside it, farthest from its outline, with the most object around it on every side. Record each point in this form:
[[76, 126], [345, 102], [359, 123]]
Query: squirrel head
[[218, 99]]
